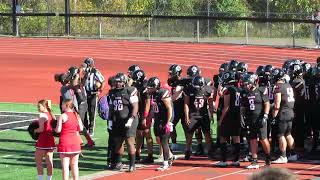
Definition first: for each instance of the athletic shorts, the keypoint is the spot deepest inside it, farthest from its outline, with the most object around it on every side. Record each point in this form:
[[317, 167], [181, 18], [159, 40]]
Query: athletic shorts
[[257, 132], [202, 122], [159, 129], [119, 129], [178, 115], [284, 128], [230, 127], [148, 124]]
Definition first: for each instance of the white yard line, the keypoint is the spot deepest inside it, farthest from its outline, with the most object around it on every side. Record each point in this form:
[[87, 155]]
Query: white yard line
[[22, 127], [15, 122], [2, 115], [9, 155]]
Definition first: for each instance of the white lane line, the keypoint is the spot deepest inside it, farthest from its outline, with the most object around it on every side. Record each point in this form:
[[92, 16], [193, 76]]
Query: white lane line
[[15, 122], [155, 177], [205, 56], [313, 167], [228, 174], [22, 127], [190, 169]]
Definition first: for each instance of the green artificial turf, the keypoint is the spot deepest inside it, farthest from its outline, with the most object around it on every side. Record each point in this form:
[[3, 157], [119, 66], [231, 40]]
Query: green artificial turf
[[17, 149]]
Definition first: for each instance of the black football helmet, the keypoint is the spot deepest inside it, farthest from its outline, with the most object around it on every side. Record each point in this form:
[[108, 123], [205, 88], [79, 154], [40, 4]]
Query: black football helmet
[[138, 76], [154, 82], [198, 82], [295, 70], [175, 70], [224, 67], [250, 78], [268, 69], [260, 71], [242, 67], [120, 77], [233, 65], [132, 68], [306, 66], [277, 74], [229, 77], [193, 71]]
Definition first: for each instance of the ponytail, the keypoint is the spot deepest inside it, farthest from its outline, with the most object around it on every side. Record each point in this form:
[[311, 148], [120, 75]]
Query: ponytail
[[47, 105]]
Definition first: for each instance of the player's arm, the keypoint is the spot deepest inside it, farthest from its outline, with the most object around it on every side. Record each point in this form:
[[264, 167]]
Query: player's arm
[[266, 102], [101, 79], [168, 104], [186, 109], [211, 104], [177, 93], [134, 101], [226, 100], [277, 101], [146, 111]]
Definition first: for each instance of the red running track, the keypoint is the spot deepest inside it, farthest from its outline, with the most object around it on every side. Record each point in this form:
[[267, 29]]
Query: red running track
[[205, 170], [28, 65]]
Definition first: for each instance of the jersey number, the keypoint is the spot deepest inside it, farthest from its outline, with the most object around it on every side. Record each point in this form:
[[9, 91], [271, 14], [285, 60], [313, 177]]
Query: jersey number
[[155, 108], [118, 105], [237, 101], [290, 95], [251, 105], [307, 95], [270, 92], [199, 103]]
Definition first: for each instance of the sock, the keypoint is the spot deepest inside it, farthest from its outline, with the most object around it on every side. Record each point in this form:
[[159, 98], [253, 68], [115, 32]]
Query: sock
[[236, 151], [132, 159], [224, 151], [268, 157], [117, 158], [165, 163], [255, 160], [40, 177], [49, 177], [284, 154]]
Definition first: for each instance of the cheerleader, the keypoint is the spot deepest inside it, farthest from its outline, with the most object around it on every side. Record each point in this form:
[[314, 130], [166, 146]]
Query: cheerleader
[[45, 144], [69, 125]]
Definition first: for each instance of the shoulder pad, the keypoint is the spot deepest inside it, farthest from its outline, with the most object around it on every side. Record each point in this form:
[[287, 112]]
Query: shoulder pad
[[131, 90], [164, 93]]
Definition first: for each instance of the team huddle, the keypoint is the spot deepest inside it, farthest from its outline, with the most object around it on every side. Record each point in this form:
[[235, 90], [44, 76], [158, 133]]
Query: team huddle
[[274, 106]]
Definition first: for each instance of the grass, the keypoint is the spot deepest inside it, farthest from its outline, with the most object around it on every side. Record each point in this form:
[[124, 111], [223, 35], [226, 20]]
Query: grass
[[17, 149]]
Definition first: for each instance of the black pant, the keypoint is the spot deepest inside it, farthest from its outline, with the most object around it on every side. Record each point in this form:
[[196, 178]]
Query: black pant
[[89, 121], [298, 128], [111, 148]]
